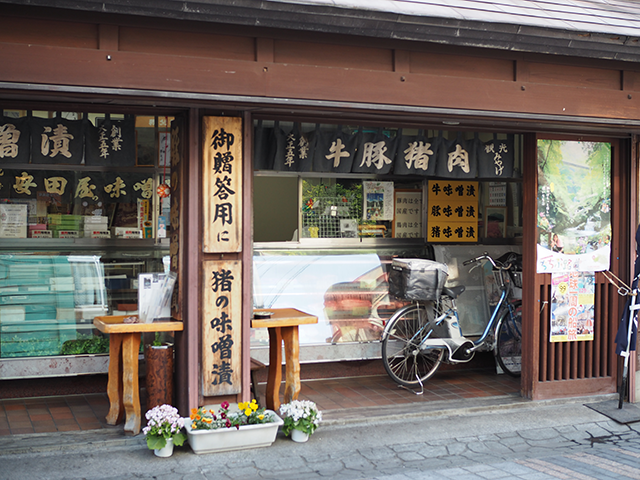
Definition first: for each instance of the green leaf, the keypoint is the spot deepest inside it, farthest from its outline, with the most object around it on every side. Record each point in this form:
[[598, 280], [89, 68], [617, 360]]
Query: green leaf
[[155, 442], [179, 438]]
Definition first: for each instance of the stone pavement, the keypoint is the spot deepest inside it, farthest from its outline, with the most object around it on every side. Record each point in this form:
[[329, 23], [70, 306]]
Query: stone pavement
[[499, 437]]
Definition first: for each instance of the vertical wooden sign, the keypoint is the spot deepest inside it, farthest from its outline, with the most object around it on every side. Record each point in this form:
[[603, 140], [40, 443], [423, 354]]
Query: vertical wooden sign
[[174, 215], [222, 188], [222, 328]]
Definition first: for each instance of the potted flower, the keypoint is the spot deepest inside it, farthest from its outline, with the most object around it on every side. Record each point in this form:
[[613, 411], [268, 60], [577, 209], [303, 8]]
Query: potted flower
[[301, 418], [163, 430], [247, 427]]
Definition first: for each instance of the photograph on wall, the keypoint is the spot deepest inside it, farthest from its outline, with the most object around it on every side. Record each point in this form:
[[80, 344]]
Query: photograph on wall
[[574, 206], [572, 306]]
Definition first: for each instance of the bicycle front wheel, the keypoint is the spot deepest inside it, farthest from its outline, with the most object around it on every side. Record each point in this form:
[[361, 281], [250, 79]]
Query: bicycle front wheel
[[509, 340], [403, 360]]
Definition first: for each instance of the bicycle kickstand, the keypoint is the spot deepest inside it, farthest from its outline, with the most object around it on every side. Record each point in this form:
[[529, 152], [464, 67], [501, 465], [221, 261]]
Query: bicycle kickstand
[[413, 391]]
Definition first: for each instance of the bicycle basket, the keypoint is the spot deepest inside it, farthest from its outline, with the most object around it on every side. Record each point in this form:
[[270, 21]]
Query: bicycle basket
[[417, 279], [515, 272]]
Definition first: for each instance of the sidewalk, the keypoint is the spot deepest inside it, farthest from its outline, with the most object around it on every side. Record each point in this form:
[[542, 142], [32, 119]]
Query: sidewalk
[[87, 411], [496, 437]]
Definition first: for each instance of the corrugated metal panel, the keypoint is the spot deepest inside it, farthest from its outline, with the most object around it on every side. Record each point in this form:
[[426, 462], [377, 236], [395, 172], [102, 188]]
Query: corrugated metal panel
[[595, 16]]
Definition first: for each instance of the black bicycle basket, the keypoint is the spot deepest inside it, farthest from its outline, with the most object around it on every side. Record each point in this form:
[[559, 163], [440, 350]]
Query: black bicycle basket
[[515, 272]]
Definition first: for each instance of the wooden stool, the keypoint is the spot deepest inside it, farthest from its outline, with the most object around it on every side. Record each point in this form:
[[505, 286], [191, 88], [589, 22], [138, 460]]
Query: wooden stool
[[124, 349], [283, 327]]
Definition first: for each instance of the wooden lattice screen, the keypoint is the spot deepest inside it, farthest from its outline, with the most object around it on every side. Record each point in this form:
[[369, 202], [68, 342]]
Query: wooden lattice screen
[[552, 370]]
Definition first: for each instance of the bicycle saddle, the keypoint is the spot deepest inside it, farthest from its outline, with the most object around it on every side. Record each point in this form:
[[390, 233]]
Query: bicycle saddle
[[453, 292]]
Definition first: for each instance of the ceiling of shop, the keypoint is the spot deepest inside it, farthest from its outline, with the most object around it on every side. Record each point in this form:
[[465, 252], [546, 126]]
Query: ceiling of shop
[[605, 29]]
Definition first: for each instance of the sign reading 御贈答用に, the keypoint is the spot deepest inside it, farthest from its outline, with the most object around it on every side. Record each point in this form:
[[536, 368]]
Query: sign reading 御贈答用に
[[222, 184], [452, 211], [221, 327]]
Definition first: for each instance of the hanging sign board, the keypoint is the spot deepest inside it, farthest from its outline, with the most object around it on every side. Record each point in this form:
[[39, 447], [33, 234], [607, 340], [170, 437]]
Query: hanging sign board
[[452, 211], [222, 188], [221, 327]]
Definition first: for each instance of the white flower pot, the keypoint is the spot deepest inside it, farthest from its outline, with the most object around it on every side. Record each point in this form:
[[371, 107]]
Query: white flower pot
[[299, 436], [225, 439], [165, 451]]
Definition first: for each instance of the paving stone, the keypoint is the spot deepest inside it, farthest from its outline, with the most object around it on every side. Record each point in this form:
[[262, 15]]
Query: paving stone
[[456, 448], [410, 456], [539, 433], [408, 447], [356, 462]]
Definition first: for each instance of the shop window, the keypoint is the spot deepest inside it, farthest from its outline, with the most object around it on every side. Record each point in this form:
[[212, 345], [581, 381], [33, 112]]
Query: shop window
[[81, 216], [334, 204]]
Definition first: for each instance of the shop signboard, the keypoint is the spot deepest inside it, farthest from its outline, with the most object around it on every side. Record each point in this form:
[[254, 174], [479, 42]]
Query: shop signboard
[[452, 211], [222, 167], [221, 327]]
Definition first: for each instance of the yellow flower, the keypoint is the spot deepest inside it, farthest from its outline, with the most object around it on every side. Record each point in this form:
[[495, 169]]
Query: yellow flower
[[261, 417], [248, 412], [253, 406], [243, 405], [194, 426], [207, 420]]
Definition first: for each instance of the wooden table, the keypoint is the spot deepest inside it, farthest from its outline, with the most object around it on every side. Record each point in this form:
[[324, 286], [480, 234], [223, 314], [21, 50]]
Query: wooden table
[[283, 325], [124, 349]]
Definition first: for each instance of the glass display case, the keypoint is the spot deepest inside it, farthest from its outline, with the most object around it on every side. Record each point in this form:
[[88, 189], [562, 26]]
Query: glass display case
[[81, 216]]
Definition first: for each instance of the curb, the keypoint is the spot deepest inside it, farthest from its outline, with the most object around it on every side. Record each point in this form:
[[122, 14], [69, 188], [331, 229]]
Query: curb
[[114, 437]]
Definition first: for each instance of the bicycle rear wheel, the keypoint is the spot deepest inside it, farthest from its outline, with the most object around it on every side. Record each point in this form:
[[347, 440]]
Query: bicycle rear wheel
[[402, 358], [509, 340]]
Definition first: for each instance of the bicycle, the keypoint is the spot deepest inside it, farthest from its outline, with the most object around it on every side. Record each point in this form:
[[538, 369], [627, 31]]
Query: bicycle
[[422, 335]]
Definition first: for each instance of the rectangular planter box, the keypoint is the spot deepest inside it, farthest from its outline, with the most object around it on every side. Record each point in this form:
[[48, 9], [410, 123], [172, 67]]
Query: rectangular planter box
[[225, 439]]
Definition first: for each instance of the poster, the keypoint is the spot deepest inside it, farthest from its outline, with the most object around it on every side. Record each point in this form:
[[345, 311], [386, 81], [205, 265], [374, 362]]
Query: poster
[[574, 203], [572, 306], [378, 201]]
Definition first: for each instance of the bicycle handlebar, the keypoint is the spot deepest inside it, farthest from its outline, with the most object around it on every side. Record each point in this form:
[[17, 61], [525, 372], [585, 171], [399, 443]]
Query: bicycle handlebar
[[486, 256]]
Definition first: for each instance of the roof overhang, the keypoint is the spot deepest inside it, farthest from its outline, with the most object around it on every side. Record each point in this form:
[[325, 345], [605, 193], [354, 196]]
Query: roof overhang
[[326, 17]]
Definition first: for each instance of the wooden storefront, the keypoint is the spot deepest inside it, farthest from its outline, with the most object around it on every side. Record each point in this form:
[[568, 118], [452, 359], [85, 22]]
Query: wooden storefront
[[197, 68]]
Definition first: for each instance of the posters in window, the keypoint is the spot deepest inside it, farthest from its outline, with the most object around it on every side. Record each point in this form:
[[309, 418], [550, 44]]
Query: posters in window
[[574, 203], [572, 306], [378, 201]]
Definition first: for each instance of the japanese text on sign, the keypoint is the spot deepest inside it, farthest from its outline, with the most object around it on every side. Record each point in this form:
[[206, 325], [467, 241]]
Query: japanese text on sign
[[222, 149], [221, 345], [452, 211]]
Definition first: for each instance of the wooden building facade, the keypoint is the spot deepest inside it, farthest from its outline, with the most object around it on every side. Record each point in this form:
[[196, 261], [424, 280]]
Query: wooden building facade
[[314, 63]]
